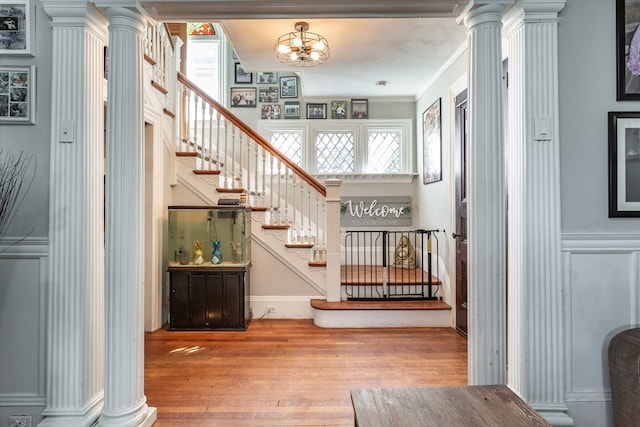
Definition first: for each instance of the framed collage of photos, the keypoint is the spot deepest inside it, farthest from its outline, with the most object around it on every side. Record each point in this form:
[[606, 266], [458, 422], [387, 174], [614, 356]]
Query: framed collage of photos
[[17, 94]]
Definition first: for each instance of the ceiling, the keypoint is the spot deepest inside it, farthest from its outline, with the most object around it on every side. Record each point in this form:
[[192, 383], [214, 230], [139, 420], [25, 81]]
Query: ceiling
[[403, 42]]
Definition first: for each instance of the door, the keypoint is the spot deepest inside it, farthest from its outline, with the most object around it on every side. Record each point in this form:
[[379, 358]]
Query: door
[[460, 235]]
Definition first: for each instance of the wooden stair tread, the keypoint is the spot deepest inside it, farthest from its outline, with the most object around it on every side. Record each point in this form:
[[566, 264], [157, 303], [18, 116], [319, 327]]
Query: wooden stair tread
[[206, 172], [322, 304]]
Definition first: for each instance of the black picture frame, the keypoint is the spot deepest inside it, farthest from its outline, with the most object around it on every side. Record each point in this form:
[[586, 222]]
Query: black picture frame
[[267, 77], [289, 87], [432, 144], [624, 164], [316, 111], [241, 76], [243, 97], [628, 50], [359, 108], [292, 110], [338, 110]]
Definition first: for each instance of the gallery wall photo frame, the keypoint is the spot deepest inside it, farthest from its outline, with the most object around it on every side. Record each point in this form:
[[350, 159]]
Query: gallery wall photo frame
[[292, 110], [242, 76], [17, 94], [16, 28], [624, 164], [243, 97], [316, 111], [289, 87], [359, 108], [628, 50], [268, 78], [338, 110], [432, 144]]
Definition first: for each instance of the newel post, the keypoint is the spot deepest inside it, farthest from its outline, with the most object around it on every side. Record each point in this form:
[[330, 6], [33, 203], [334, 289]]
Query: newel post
[[333, 239]]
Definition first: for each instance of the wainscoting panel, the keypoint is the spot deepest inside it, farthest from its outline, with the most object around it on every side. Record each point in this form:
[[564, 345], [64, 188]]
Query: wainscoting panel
[[23, 272], [601, 288]]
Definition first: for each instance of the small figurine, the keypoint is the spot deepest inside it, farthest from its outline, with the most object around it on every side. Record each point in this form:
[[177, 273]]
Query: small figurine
[[216, 254], [183, 256], [197, 253], [236, 250], [405, 256]]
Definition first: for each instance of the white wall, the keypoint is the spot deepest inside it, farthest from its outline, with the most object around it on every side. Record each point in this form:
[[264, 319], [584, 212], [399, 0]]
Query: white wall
[[23, 267], [601, 255]]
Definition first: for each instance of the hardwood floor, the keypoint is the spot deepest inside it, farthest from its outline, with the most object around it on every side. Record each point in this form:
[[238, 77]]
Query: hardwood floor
[[290, 372]]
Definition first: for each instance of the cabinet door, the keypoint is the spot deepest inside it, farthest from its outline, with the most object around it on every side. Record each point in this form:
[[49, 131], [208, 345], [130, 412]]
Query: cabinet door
[[233, 314], [197, 300], [215, 287], [179, 300]]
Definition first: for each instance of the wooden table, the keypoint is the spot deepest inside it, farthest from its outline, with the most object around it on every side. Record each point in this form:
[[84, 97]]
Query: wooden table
[[471, 406]]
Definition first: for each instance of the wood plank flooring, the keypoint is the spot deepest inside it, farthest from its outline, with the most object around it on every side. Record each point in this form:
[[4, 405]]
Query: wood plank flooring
[[290, 372]]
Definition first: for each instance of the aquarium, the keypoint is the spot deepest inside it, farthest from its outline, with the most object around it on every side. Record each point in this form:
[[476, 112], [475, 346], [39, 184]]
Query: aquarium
[[209, 236]]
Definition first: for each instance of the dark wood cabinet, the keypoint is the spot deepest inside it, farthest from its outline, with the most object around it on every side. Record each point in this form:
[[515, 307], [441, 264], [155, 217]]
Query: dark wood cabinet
[[215, 298]]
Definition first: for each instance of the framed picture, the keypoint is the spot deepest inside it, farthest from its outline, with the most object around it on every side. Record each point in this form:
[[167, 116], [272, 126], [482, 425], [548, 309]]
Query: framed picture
[[270, 111], [17, 94], [432, 144], [338, 109], [624, 164], [267, 78], [628, 49], [359, 109], [291, 110], [268, 94], [16, 28], [243, 96], [316, 111], [242, 76], [289, 87]]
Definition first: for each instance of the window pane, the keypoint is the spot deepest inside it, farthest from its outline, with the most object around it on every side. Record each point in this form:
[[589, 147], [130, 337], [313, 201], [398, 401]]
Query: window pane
[[202, 64], [384, 152], [288, 143], [335, 152]]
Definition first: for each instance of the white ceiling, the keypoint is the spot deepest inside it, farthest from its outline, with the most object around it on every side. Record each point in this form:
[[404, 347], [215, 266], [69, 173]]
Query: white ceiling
[[403, 42]]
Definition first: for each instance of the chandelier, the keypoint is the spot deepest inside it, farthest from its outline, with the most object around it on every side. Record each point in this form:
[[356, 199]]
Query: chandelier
[[302, 48]]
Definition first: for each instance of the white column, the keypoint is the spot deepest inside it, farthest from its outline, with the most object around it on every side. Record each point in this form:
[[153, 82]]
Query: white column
[[536, 347], [486, 201], [333, 239], [124, 400], [75, 318]]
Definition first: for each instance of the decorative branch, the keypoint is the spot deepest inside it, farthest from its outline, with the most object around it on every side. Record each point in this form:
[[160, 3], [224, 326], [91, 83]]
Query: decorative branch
[[13, 188]]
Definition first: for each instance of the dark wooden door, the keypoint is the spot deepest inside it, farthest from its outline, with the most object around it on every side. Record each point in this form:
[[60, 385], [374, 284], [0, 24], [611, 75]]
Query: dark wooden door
[[179, 300], [460, 234]]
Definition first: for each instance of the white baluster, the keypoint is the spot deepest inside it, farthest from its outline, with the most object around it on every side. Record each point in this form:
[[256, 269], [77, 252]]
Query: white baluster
[[263, 192], [210, 142]]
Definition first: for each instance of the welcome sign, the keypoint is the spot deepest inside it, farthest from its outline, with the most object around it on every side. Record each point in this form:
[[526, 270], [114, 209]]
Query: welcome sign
[[375, 211]]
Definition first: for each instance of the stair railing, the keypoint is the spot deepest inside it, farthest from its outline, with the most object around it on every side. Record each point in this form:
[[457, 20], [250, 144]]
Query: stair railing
[[247, 163]]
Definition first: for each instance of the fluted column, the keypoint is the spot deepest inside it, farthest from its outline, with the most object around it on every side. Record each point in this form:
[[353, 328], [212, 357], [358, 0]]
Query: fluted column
[[536, 347], [124, 400], [486, 198], [75, 318]]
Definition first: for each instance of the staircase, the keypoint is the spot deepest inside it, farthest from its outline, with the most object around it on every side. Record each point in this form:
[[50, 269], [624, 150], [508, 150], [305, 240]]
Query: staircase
[[295, 218]]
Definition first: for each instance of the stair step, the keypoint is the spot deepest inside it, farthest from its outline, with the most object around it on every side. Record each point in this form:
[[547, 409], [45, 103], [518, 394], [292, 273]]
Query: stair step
[[299, 245], [322, 304], [230, 190], [206, 172], [276, 226]]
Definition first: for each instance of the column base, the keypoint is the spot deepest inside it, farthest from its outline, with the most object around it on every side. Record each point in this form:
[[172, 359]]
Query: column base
[[65, 418], [557, 417], [146, 418]]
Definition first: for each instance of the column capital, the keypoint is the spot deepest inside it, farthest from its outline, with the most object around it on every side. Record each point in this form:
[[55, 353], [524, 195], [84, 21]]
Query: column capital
[[475, 8], [534, 11], [74, 13], [124, 17]]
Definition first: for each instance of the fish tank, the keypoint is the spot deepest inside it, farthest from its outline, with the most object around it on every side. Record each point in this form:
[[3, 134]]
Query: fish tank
[[209, 236]]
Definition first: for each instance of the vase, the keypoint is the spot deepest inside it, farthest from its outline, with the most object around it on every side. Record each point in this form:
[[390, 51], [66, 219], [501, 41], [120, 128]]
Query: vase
[[216, 254]]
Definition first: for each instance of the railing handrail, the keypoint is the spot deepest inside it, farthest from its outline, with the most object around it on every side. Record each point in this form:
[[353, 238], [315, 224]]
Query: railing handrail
[[259, 139]]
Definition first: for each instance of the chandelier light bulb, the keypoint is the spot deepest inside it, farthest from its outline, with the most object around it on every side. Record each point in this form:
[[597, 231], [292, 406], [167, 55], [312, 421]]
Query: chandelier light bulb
[[314, 55], [297, 42], [284, 49], [318, 45], [293, 56]]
